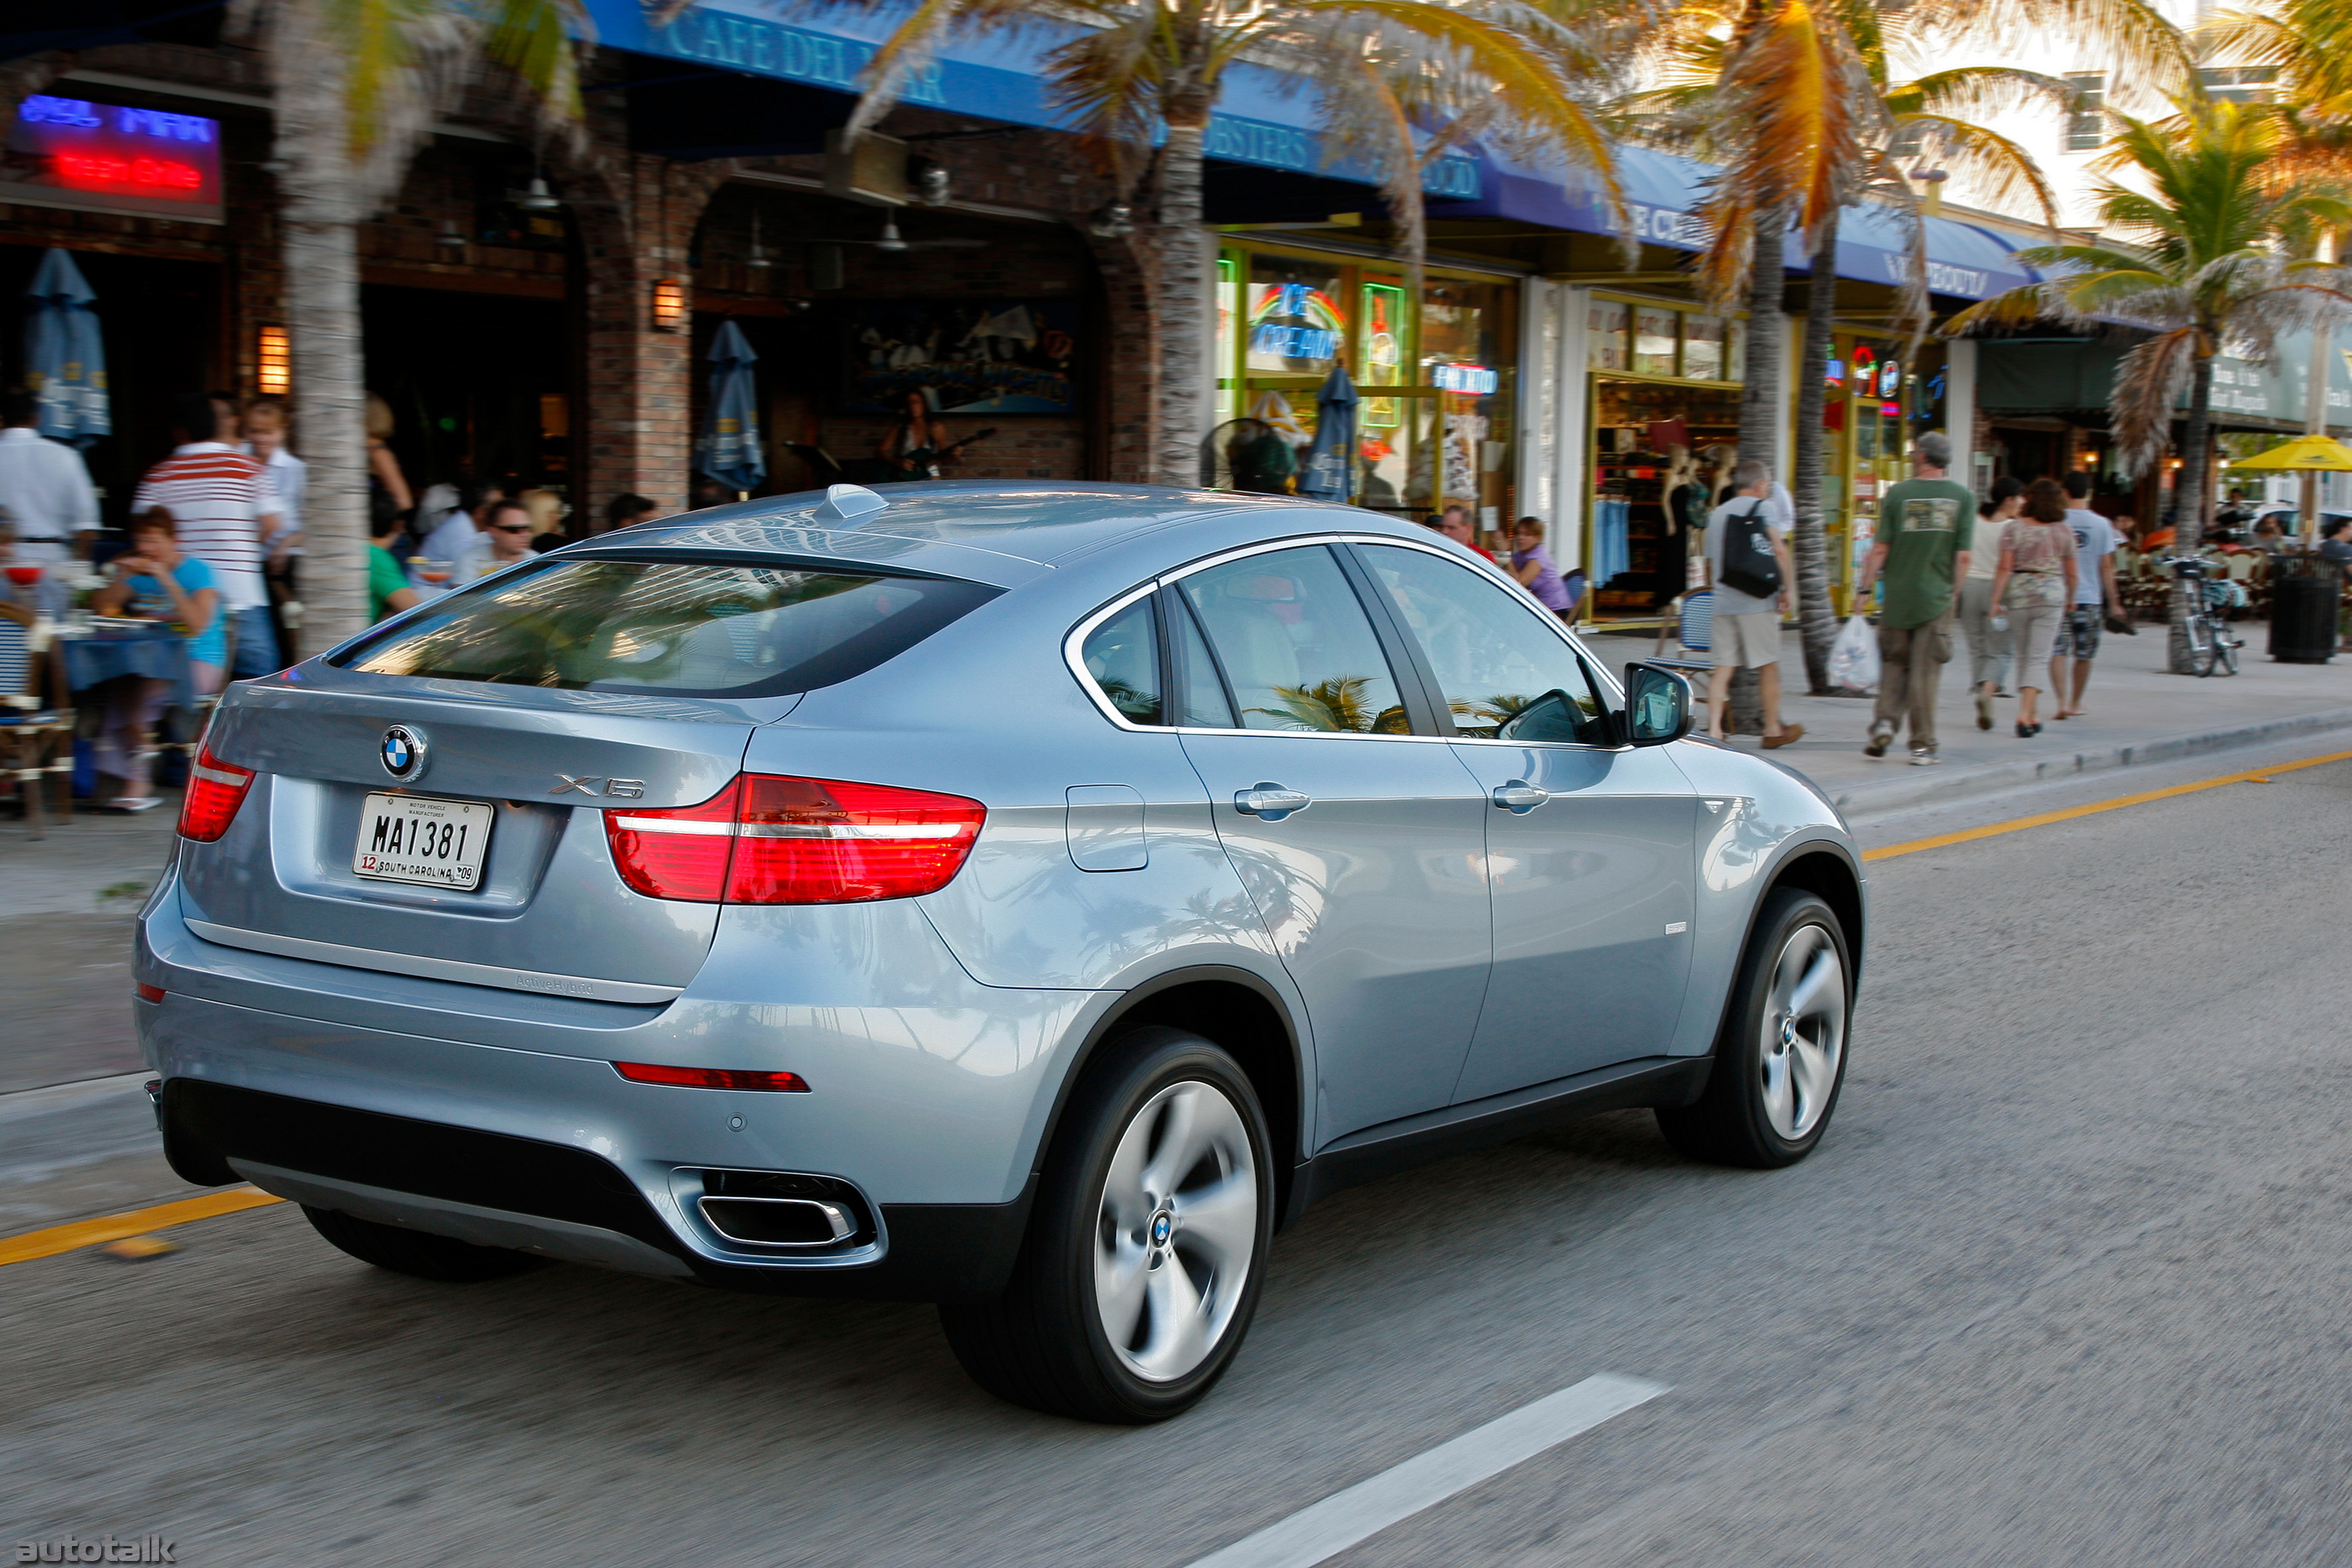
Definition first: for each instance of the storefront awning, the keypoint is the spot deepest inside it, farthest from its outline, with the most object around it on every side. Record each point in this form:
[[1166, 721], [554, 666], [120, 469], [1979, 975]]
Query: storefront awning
[[1662, 196], [1262, 121]]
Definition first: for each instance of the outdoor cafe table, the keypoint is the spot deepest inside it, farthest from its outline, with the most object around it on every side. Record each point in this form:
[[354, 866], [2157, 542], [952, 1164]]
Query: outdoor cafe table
[[99, 655]]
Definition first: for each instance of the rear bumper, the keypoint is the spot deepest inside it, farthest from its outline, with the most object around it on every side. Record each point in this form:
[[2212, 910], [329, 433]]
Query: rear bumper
[[270, 1077]]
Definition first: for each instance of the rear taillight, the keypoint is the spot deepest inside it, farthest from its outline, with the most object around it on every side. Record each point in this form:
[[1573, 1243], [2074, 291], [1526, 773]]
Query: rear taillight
[[216, 789], [713, 1078], [765, 839]]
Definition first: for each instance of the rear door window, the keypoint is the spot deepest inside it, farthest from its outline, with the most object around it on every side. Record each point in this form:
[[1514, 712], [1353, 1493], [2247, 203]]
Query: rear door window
[[1295, 647], [680, 628]]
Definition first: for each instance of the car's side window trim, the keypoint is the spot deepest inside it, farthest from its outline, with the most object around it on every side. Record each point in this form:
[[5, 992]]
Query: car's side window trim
[[1173, 604], [1426, 674], [1609, 694]]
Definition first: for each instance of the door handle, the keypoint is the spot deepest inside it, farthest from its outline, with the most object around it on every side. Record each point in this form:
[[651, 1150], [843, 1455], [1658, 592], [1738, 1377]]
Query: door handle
[[1270, 801], [1518, 798]]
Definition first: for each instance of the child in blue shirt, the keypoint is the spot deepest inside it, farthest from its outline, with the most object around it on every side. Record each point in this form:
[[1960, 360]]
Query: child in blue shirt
[[155, 580]]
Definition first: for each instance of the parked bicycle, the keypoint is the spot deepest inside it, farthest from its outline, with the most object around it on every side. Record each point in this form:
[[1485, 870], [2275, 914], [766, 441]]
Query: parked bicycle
[[2211, 645]]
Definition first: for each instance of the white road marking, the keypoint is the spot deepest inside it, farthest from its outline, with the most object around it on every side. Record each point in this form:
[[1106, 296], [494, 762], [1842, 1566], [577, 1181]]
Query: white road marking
[[1364, 1509]]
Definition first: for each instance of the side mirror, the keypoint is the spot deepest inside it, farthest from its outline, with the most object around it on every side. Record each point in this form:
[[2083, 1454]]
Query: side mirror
[[1657, 705]]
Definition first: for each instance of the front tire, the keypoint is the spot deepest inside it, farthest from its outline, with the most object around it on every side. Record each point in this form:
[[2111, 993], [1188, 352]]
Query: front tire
[[416, 1252], [1779, 1060], [1147, 1249]]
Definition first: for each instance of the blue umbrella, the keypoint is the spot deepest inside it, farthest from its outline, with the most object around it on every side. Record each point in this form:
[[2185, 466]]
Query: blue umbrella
[[728, 449], [1329, 471], [65, 357]]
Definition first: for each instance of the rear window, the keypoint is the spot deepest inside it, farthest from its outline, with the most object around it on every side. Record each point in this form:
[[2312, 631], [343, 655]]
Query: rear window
[[693, 628]]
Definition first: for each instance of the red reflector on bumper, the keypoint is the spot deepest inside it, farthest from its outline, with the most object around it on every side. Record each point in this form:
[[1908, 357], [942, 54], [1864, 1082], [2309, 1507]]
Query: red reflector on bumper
[[712, 1078], [150, 993]]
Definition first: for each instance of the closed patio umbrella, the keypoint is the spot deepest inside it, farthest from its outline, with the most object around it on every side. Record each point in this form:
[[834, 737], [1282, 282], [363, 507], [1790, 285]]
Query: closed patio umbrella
[[729, 448], [65, 357], [1330, 472]]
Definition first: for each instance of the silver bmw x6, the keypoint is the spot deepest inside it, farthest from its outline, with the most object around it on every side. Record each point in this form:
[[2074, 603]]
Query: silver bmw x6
[[1021, 898]]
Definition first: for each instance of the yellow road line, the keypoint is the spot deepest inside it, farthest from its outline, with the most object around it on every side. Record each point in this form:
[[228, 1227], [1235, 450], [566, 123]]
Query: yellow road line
[[2255, 775], [138, 1221]]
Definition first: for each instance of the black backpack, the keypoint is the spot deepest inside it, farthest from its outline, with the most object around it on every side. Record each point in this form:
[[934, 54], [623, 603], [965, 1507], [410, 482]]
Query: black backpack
[[1749, 564]]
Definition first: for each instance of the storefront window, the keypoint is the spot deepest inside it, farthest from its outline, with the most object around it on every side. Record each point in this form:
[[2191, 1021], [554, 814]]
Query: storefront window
[[1703, 347], [1604, 334], [1296, 326], [1653, 342], [1434, 371]]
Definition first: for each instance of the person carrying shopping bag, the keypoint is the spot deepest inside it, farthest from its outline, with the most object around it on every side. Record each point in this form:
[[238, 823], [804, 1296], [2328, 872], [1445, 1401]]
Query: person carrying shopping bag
[[2034, 584], [1987, 648]]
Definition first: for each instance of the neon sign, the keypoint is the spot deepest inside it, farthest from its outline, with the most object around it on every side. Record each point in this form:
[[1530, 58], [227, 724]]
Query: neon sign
[[1293, 327], [1476, 379], [109, 157]]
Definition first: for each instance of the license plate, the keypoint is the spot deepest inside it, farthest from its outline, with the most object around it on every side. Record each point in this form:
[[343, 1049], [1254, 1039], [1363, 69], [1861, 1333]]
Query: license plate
[[414, 839]]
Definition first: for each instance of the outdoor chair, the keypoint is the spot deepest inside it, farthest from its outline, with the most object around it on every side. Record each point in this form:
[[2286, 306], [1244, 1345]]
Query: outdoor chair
[[33, 734]]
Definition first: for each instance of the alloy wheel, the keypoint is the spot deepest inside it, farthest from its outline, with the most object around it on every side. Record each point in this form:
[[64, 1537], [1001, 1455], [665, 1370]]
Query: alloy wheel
[[1176, 1231], [1804, 1032]]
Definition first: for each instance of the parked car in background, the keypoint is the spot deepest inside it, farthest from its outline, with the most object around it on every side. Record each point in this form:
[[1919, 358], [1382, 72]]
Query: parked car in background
[[1021, 897]]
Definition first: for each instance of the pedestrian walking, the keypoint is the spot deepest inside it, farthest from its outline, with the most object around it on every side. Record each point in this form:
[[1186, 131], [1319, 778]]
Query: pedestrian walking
[[1533, 568], [2094, 593], [1746, 626], [266, 425], [45, 490], [1988, 645], [2033, 586], [2336, 546], [1925, 527], [224, 507]]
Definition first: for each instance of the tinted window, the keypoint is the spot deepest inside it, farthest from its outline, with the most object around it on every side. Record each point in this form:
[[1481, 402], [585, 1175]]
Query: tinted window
[[1494, 650], [1123, 656], [681, 628], [1296, 647]]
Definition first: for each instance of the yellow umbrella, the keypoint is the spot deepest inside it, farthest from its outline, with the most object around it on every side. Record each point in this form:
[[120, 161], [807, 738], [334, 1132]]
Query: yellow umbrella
[[2302, 452]]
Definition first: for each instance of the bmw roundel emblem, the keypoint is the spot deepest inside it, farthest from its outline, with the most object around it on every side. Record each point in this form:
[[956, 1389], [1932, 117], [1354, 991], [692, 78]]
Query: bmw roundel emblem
[[404, 753]]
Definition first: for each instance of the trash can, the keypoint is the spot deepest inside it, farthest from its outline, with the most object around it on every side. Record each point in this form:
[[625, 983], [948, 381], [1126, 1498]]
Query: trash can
[[2304, 594]]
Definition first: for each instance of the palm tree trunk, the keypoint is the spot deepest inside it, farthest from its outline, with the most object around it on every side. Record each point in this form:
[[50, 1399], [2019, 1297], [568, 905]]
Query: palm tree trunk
[[320, 221], [1809, 542], [1183, 302], [1760, 400], [2189, 498]]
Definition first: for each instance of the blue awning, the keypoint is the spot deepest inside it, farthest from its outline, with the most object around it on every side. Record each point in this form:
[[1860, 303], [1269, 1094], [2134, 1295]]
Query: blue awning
[[1266, 118], [1262, 117], [1662, 196]]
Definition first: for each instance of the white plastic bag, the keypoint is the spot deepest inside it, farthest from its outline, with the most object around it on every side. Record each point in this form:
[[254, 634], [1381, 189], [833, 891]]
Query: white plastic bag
[[1853, 658]]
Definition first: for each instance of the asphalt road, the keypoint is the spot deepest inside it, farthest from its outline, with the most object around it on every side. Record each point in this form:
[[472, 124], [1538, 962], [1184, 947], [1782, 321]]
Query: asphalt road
[[2067, 1282]]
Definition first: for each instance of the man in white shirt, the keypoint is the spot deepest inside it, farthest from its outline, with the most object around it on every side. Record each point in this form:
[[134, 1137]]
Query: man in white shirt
[[456, 538], [224, 507], [266, 424], [504, 540], [46, 490], [2094, 593]]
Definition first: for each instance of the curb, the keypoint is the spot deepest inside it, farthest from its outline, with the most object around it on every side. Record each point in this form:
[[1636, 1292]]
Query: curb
[[1897, 794]]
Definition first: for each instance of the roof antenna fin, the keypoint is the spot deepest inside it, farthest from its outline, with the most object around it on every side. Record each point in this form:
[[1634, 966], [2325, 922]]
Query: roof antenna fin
[[847, 503]]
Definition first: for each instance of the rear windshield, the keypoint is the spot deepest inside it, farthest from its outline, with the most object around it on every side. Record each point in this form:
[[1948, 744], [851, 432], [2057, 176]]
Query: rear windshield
[[693, 628]]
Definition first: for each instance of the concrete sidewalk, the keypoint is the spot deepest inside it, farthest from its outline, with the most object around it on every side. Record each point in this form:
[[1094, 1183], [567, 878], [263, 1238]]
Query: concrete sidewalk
[[2138, 713]]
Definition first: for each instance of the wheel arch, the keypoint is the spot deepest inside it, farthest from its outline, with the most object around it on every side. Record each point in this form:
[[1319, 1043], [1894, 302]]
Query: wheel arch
[[1236, 1009], [1824, 869]]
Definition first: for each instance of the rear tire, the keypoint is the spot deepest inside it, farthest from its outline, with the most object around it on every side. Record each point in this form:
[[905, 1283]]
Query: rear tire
[[1147, 1249], [416, 1252], [1780, 1058]]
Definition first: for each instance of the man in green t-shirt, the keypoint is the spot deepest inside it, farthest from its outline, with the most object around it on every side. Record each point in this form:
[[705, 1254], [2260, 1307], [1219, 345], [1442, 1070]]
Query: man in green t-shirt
[[1925, 527], [388, 589]]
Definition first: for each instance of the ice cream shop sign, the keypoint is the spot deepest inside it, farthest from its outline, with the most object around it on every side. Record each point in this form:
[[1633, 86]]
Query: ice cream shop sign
[[106, 157]]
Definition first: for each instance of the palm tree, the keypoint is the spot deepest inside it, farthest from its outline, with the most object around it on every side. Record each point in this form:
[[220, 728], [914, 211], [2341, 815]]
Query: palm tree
[[1397, 82], [1804, 103], [2200, 262], [358, 84]]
